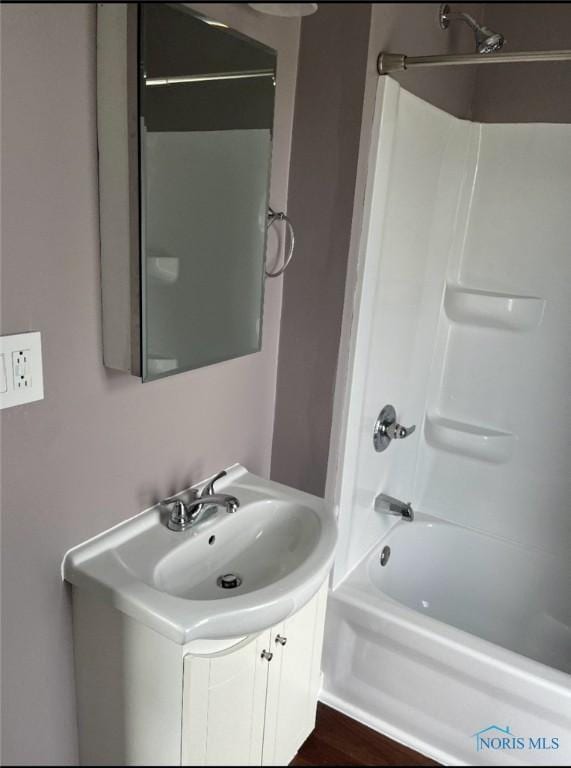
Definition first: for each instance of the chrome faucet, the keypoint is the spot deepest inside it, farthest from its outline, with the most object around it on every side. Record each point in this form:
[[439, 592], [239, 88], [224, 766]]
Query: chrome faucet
[[391, 506], [184, 515]]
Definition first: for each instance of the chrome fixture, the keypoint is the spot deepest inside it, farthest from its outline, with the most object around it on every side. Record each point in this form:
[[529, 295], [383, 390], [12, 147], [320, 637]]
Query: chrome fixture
[[398, 62], [229, 581], [387, 429], [281, 640], [274, 216], [391, 506], [267, 655], [208, 487], [183, 515], [487, 41]]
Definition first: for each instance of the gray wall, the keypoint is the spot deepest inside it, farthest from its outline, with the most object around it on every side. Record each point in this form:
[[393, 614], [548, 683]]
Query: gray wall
[[101, 446], [527, 92], [334, 106], [327, 119]]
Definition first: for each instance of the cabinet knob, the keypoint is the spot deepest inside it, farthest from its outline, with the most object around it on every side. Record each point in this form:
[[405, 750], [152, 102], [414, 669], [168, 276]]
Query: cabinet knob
[[267, 655], [281, 640]]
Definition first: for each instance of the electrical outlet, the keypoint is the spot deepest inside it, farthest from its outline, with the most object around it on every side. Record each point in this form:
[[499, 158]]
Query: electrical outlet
[[21, 373], [22, 368]]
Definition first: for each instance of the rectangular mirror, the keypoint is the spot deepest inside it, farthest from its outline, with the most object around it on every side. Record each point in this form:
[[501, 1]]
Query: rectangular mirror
[[204, 119]]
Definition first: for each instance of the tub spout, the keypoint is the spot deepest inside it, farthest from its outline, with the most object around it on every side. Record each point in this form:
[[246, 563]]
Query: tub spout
[[391, 506]]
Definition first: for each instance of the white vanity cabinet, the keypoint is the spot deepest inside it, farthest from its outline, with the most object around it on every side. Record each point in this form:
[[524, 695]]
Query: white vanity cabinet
[[255, 705], [144, 700], [293, 682]]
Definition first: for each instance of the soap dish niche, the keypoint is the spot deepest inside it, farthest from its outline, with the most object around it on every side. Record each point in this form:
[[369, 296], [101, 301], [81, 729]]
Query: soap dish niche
[[488, 309], [494, 446]]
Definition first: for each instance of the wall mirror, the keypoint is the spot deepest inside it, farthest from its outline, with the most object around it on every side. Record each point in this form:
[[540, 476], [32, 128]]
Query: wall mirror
[[185, 141]]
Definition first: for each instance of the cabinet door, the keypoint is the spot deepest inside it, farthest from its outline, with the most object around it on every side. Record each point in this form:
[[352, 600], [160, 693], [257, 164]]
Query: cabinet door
[[224, 700], [293, 682]]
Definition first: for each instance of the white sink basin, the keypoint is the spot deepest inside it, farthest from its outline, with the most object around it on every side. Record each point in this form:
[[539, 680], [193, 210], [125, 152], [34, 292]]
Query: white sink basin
[[273, 553]]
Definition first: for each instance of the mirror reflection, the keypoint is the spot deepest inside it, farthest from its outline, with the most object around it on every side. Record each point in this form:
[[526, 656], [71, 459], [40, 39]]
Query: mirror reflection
[[206, 117]]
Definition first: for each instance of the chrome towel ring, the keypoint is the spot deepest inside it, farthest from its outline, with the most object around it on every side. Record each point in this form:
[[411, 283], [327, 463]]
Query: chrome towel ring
[[274, 216]]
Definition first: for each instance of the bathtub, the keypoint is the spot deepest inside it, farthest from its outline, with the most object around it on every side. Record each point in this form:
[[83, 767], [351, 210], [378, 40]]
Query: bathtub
[[459, 646]]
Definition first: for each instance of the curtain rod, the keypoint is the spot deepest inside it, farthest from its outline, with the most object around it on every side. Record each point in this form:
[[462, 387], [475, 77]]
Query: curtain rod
[[397, 62]]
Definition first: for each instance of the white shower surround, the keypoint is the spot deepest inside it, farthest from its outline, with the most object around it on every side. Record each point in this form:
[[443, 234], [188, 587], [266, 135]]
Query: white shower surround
[[462, 318]]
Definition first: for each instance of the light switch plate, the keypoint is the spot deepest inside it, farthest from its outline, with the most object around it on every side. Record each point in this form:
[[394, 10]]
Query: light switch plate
[[21, 372]]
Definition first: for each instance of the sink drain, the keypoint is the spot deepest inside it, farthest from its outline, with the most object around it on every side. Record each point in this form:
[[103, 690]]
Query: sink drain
[[229, 581]]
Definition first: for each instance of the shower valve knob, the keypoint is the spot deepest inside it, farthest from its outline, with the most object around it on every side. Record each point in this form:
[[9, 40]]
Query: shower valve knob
[[397, 432], [387, 429]]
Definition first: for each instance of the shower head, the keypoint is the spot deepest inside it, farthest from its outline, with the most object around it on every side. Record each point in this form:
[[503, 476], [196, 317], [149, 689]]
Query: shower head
[[487, 41]]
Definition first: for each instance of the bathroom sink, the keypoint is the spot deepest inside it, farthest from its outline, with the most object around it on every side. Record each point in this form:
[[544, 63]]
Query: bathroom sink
[[229, 576], [279, 537]]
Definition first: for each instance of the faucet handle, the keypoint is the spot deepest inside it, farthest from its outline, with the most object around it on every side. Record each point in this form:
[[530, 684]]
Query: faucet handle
[[178, 513], [398, 432], [173, 500], [208, 488], [387, 428]]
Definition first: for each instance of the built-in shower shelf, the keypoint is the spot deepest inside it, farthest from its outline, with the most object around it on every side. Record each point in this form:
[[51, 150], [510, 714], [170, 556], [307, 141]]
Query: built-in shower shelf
[[478, 442], [488, 309]]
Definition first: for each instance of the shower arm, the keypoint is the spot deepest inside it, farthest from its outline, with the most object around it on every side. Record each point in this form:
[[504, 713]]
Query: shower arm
[[448, 16], [399, 62]]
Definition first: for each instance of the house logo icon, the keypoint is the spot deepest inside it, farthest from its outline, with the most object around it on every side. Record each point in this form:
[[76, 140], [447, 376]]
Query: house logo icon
[[494, 737]]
